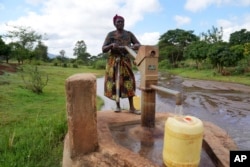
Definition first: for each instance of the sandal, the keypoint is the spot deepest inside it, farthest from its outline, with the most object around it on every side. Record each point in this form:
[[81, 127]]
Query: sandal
[[137, 112], [117, 110]]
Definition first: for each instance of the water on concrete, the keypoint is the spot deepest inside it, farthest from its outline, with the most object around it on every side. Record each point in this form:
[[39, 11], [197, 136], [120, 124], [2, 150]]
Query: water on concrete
[[149, 144]]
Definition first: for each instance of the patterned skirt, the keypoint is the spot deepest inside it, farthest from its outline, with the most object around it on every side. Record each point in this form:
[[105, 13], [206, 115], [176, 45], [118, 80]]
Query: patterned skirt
[[126, 80]]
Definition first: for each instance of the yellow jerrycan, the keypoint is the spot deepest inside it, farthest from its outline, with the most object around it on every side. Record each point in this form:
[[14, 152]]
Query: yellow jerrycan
[[182, 145], [137, 102]]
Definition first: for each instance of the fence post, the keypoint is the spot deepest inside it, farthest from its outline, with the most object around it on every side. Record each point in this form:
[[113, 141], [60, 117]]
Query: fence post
[[81, 114]]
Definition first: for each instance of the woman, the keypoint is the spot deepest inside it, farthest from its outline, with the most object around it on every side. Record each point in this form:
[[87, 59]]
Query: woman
[[119, 60]]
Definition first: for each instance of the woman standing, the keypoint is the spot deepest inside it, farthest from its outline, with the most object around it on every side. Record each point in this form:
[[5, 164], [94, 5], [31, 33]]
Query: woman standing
[[119, 65]]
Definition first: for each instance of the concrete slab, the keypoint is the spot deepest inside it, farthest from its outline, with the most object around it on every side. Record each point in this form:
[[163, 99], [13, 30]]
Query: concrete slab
[[109, 153]]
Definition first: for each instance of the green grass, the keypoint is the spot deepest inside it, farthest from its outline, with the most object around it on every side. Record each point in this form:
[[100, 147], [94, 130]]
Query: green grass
[[210, 75], [32, 126]]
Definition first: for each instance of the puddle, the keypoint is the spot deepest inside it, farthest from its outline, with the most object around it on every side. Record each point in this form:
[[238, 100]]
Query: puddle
[[150, 145]]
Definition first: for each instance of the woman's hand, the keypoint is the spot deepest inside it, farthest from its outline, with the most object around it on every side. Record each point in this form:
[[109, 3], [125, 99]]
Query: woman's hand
[[114, 46]]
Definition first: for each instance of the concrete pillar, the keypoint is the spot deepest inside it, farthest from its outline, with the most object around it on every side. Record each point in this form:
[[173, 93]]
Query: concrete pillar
[[81, 114]]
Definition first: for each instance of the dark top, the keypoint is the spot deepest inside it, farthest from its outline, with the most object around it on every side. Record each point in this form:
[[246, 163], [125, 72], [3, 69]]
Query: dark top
[[125, 39]]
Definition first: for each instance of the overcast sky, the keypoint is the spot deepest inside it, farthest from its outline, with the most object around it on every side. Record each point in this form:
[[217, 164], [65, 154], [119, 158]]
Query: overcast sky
[[67, 21]]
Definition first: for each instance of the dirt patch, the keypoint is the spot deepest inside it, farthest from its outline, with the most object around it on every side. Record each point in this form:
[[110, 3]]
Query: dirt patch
[[8, 68]]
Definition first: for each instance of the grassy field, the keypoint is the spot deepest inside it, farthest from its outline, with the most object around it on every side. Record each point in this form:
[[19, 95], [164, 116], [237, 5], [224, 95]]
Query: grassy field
[[32, 126]]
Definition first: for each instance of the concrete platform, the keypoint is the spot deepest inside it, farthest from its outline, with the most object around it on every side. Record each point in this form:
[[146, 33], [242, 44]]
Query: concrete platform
[[216, 142]]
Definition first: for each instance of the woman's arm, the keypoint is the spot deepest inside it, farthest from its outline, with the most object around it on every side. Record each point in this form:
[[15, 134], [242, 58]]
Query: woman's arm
[[109, 43], [135, 42], [106, 48]]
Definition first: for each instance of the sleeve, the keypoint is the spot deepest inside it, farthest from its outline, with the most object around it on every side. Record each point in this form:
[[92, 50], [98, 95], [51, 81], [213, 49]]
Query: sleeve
[[134, 40], [108, 39]]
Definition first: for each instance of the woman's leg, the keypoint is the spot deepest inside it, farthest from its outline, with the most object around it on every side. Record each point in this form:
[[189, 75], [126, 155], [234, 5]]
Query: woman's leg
[[118, 108]]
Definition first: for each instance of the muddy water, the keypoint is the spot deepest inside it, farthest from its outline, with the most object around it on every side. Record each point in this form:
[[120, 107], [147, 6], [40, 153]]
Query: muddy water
[[218, 103], [226, 105]]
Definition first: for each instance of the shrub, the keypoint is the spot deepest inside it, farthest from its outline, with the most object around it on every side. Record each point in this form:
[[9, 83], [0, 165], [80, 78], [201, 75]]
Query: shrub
[[79, 62], [64, 65], [164, 64], [75, 65], [239, 70], [100, 64], [34, 79], [37, 62], [56, 62]]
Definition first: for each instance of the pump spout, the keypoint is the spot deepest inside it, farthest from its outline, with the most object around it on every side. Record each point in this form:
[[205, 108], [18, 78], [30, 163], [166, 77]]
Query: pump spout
[[177, 94]]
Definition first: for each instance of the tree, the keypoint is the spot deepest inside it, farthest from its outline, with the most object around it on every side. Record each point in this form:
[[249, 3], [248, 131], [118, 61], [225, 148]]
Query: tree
[[237, 53], [62, 58], [239, 37], [4, 50], [197, 51], [25, 37], [62, 53], [173, 42], [80, 52], [222, 55], [247, 49], [212, 36], [41, 52], [169, 53], [18, 52], [217, 54], [247, 52]]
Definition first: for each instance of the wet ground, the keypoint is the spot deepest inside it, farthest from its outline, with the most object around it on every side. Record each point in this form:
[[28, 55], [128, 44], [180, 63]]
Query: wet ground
[[224, 104], [151, 145]]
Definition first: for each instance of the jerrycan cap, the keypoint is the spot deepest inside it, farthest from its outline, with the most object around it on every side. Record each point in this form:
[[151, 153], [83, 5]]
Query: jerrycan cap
[[189, 120], [185, 124]]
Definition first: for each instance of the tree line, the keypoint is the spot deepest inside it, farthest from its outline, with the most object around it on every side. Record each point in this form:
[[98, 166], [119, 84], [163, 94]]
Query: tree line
[[175, 47], [28, 45]]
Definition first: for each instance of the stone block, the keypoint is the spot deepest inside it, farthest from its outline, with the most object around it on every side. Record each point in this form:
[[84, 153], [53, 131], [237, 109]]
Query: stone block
[[81, 114]]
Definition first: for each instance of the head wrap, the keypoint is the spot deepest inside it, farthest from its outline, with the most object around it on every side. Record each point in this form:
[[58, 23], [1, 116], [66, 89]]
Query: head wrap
[[117, 17]]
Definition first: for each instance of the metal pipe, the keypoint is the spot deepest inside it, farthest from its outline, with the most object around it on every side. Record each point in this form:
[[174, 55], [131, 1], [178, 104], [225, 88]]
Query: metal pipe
[[177, 94], [131, 51], [117, 80]]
